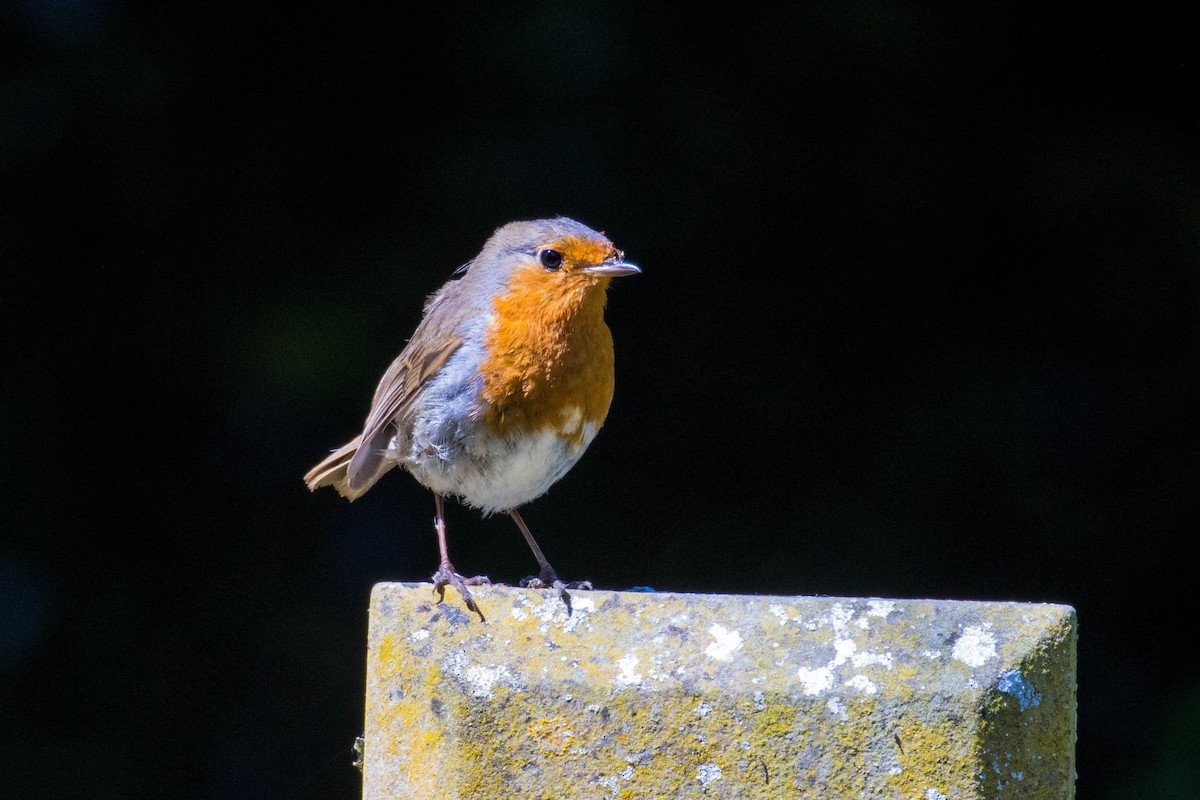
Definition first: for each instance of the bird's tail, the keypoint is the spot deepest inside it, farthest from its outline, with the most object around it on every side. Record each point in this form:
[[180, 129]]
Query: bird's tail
[[332, 472]]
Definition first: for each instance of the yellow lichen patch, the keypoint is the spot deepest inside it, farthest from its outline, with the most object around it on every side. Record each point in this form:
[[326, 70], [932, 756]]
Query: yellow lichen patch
[[900, 679], [433, 675], [932, 757], [627, 697], [387, 649], [776, 719], [552, 735]]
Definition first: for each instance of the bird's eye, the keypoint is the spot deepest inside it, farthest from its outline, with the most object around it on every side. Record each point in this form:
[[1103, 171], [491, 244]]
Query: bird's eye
[[551, 259]]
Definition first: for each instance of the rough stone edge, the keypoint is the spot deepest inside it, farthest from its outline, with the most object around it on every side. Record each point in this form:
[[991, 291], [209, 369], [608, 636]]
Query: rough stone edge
[[1036, 697], [1053, 655]]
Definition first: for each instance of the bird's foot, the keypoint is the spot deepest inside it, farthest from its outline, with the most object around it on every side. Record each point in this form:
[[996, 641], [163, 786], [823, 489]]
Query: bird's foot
[[547, 579], [446, 576]]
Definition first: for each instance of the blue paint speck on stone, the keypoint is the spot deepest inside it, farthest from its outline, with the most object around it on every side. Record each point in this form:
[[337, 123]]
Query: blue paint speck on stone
[[1014, 683]]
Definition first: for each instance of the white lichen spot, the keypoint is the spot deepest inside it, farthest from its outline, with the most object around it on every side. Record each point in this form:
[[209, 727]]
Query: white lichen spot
[[419, 636], [582, 603], [725, 642], [658, 676], [837, 708], [628, 675], [863, 623], [880, 608], [863, 684], [554, 610], [627, 773], [551, 611], [934, 794], [482, 679], [703, 710], [861, 660], [840, 615], [518, 613], [707, 773], [815, 680], [846, 650], [932, 654], [842, 649], [780, 612], [760, 701], [975, 646]]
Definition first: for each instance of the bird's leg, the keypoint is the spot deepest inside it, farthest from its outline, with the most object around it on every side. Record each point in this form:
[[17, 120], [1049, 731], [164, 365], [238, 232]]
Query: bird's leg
[[547, 578], [446, 575]]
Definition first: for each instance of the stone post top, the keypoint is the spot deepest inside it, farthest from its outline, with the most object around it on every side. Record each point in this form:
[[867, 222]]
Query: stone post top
[[664, 694]]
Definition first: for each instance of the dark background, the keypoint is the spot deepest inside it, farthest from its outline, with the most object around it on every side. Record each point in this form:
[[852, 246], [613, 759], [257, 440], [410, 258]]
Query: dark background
[[919, 318]]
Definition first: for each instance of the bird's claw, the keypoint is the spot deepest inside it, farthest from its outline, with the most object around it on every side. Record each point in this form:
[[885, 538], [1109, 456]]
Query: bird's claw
[[549, 580], [446, 576]]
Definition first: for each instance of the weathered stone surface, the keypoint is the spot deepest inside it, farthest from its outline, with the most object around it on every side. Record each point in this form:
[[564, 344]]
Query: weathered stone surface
[[657, 695]]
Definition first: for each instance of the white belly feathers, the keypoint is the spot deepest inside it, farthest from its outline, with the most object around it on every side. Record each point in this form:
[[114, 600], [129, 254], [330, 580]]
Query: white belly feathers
[[449, 451]]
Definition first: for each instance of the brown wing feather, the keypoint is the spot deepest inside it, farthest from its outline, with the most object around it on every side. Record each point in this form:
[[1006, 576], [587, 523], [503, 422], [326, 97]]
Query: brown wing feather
[[400, 384], [355, 466], [332, 471]]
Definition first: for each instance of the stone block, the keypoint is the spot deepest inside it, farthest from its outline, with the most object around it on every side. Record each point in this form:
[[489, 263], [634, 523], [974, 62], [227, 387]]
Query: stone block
[[663, 695]]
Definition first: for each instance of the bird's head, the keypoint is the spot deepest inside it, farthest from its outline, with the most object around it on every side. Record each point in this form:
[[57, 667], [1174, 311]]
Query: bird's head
[[550, 261]]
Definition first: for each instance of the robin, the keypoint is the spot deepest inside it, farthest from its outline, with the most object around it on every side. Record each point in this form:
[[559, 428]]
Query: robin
[[502, 387]]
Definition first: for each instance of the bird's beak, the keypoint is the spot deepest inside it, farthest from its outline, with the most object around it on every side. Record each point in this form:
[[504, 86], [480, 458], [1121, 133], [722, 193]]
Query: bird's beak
[[612, 268]]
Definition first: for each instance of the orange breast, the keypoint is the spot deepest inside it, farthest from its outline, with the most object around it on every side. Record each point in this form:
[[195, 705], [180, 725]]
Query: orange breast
[[550, 357]]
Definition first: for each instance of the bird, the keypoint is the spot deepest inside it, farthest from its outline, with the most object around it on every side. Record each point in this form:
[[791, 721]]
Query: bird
[[500, 390]]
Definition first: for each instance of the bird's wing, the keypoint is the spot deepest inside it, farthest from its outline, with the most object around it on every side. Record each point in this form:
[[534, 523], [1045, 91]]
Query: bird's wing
[[419, 362], [436, 339]]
